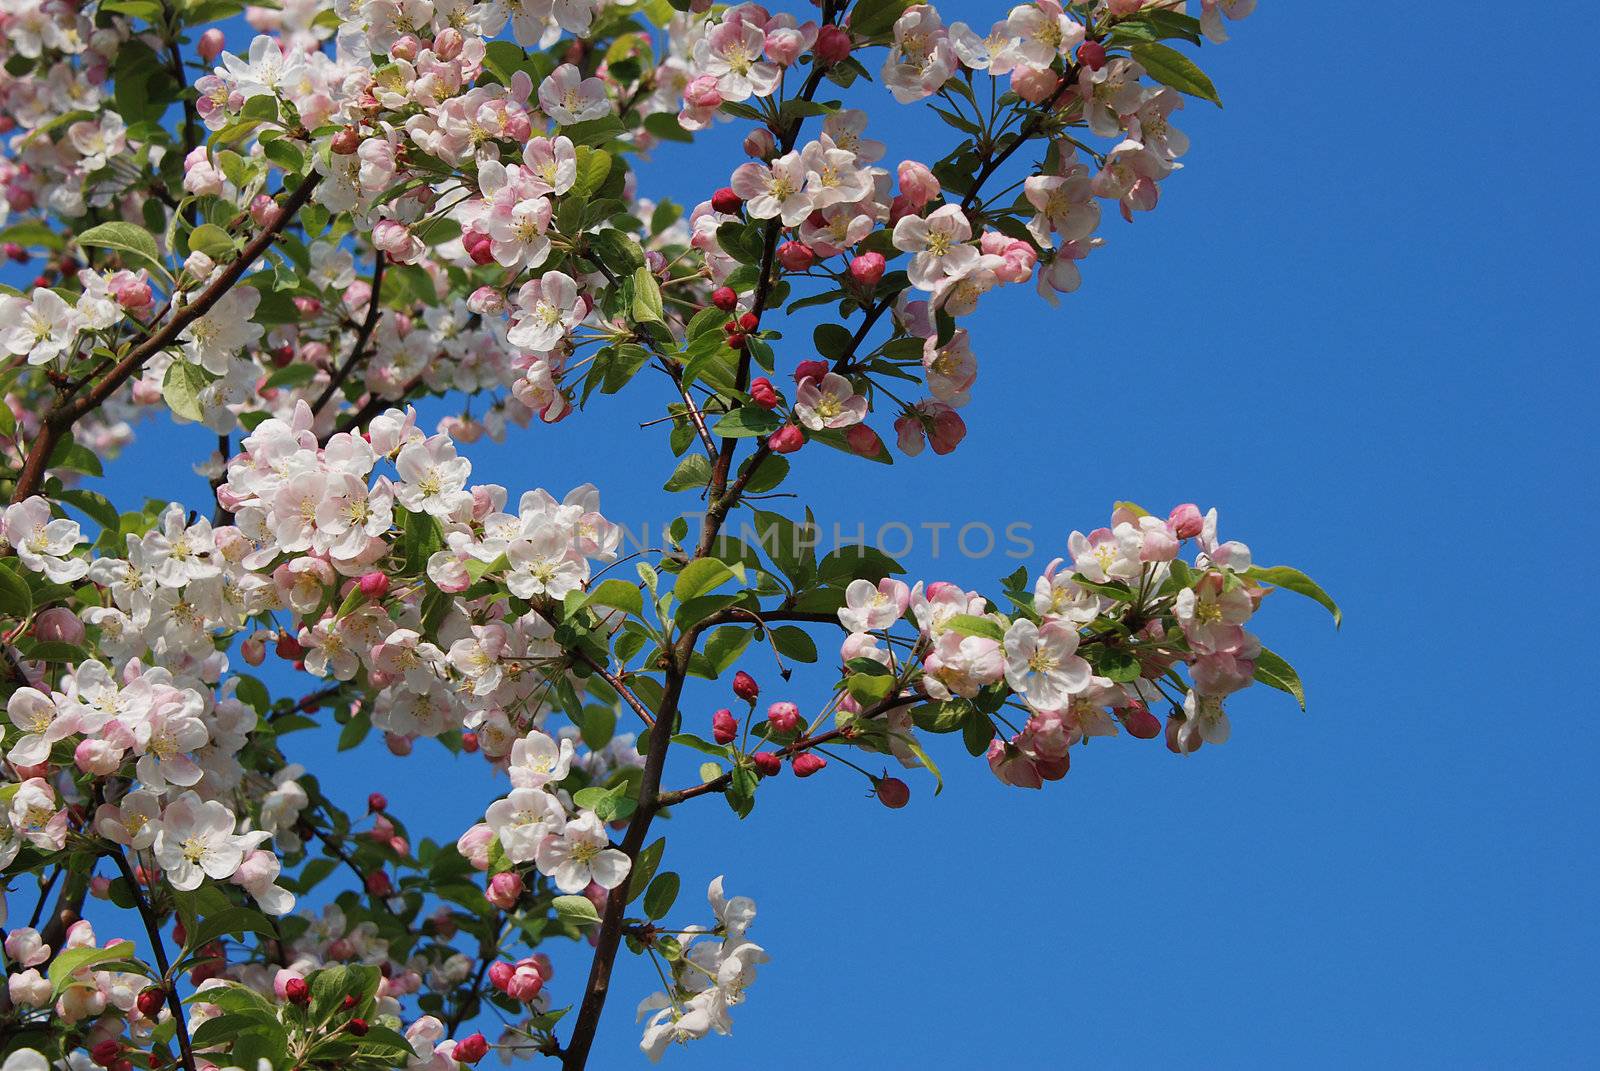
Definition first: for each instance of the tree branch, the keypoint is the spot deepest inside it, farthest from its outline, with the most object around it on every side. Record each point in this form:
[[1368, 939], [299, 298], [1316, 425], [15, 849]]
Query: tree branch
[[68, 411]]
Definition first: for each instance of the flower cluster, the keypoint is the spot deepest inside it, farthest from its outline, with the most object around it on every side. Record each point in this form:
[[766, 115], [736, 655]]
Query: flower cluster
[[368, 205]]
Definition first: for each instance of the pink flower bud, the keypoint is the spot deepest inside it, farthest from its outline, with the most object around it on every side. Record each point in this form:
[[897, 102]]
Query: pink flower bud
[[130, 290], [745, 687], [917, 183], [406, 48], [760, 143], [1034, 84], [500, 973], [58, 625], [504, 890], [786, 440], [525, 983], [447, 45], [377, 802], [948, 431], [345, 142], [397, 744], [375, 585], [833, 45], [98, 757], [210, 46], [378, 883], [784, 45], [702, 92], [863, 441], [867, 268], [724, 726], [796, 256], [1139, 722], [766, 763], [263, 209], [1092, 54], [783, 716], [253, 651], [474, 845], [1186, 521], [806, 763]]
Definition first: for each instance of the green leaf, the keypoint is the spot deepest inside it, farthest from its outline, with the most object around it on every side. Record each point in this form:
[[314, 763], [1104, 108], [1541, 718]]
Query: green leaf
[[660, 896], [16, 600], [692, 473], [593, 167], [93, 503], [124, 238], [699, 577], [741, 793], [915, 747], [1170, 67], [874, 18], [647, 307], [576, 909], [235, 920], [1291, 579], [212, 240], [1273, 671], [747, 421], [73, 959], [619, 595], [182, 387]]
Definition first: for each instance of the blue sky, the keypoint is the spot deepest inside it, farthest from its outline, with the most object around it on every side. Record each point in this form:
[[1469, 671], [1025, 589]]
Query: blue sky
[[1357, 325]]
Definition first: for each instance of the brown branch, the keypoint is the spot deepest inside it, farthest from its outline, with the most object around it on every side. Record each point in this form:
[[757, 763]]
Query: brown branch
[[68, 411], [358, 351], [153, 928]]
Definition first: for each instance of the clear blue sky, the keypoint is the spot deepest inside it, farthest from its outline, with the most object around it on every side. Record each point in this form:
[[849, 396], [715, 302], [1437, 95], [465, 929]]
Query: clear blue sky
[[1359, 324]]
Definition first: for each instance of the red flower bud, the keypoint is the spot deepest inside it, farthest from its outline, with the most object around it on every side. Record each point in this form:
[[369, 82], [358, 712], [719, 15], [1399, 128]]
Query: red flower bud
[[810, 370], [749, 322], [106, 1053], [296, 991], [377, 802], [289, 648], [786, 440], [745, 687], [736, 340], [469, 743], [349, 1002], [151, 1002], [358, 1027], [726, 201], [833, 45], [863, 440], [1092, 54], [867, 268], [796, 256], [378, 883], [724, 726], [805, 764], [766, 763], [892, 792], [469, 1050], [724, 298], [763, 393], [1141, 723]]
